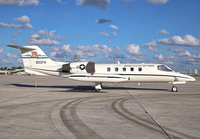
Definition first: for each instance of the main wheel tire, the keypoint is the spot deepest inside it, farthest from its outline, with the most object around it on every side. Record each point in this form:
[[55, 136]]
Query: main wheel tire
[[174, 89], [97, 90]]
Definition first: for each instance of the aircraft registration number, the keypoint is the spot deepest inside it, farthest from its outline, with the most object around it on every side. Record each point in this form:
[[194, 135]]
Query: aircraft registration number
[[41, 62]]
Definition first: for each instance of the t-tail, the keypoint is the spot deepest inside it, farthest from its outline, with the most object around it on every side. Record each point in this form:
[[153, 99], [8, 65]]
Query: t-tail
[[37, 62]]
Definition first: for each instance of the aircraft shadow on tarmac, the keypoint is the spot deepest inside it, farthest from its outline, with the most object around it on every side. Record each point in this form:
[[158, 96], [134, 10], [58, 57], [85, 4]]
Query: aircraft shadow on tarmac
[[87, 88]]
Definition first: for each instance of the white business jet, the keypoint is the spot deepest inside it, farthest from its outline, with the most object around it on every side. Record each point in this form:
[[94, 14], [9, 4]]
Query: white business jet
[[37, 62]]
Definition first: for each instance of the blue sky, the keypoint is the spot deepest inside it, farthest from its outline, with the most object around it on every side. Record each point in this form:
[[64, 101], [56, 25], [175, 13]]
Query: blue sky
[[131, 31]]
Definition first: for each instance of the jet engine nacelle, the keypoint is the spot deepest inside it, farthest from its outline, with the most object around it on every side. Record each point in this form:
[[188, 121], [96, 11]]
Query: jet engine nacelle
[[79, 67], [66, 68]]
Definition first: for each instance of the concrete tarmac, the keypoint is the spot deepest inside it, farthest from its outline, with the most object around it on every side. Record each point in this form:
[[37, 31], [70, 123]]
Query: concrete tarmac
[[61, 108]]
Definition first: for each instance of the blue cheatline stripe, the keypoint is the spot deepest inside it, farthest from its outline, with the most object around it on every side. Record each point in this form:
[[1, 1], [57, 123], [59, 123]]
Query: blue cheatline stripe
[[95, 76], [156, 75], [34, 57]]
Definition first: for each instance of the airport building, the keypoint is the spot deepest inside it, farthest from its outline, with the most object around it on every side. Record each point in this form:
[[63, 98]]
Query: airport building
[[193, 71]]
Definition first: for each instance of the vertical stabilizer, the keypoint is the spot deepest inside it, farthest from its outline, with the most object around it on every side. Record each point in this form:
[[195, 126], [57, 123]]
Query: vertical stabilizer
[[35, 60], [75, 58]]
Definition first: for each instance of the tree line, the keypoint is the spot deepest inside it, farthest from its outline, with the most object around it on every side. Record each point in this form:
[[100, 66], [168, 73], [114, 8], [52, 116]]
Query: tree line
[[12, 68]]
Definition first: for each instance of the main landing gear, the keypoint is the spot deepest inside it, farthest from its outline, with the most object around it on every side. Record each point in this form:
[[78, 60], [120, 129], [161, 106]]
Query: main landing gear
[[98, 86], [174, 89]]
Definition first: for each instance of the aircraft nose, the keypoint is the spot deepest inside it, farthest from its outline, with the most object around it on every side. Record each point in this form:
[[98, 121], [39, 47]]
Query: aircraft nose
[[187, 78], [191, 79]]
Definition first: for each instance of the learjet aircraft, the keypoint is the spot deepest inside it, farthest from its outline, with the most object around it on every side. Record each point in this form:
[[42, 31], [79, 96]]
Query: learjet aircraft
[[37, 62]]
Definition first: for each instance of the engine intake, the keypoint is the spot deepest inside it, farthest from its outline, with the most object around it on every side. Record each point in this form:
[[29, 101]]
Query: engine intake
[[66, 68], [90, 67]]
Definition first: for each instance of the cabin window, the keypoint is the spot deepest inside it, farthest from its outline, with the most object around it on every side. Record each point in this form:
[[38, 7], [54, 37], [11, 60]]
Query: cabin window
[[163, 68], [116, 69], [124, 69], [108, 69], [139, 69], [132, 69]]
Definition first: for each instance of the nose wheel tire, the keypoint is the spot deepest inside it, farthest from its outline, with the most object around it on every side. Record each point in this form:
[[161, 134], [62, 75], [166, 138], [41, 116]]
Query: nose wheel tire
[[174, 89]]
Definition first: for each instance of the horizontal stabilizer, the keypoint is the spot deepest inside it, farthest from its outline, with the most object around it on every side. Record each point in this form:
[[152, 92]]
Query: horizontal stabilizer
[[20, 47]]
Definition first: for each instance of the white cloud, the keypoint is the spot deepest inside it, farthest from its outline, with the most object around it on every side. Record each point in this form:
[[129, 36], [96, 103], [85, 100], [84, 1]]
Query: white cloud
[[135, 58], [103, 34], [26, 26], [117, 48], [59, 1], [11, 56], [44, 41], [181, 52], [92, 51], [46, 34], [102, 50], [59, 53], [54, 49], [133, 49], [114, 33], [20, 60], [114, 27], [17, 33], [160, 57], [187, 40], [1, 50], [163, 32], [53, 55], [20, 2], [152, 46], [103, 4], [79, 33], [45, 38], [157, 1], [186, 53], [60, 38], [22, 19], [14, 40], [180, 60], [85, 51], [6, 61], [66, 48], [108, 41], [197, 56]]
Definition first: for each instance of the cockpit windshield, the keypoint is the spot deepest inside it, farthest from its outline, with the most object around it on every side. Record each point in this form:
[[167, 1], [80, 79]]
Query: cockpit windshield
[[163, 68]]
